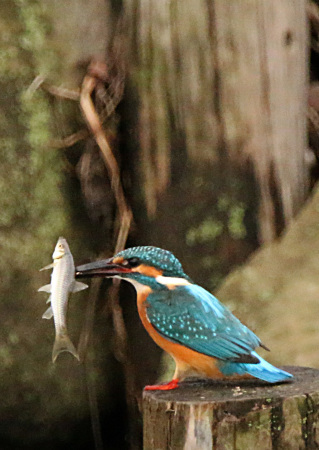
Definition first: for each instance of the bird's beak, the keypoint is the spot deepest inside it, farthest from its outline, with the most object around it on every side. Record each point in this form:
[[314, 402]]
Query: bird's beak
[[103, 268]]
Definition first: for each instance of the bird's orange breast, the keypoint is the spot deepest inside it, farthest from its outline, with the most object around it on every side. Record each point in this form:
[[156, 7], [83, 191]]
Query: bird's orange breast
[[185, 358]]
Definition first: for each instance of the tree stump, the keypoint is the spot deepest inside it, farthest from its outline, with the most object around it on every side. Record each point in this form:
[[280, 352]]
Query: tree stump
[[241, 415]]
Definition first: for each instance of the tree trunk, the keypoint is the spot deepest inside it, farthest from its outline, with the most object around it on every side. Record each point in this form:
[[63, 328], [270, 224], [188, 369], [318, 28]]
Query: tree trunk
[[235, 415], [220, 78]]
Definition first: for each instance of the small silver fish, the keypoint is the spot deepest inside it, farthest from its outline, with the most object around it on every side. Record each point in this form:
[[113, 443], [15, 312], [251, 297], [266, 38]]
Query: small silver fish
[[62, 283]]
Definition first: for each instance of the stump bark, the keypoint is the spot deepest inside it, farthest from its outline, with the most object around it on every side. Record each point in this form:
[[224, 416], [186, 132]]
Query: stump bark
[[240, 415]]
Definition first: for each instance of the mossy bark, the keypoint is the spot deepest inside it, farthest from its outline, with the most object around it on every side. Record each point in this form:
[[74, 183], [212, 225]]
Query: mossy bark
[[236, 415], [222, 81]]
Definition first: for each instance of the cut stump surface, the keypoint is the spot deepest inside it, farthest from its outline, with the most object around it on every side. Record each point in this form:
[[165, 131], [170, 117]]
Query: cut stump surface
[[241, 415]]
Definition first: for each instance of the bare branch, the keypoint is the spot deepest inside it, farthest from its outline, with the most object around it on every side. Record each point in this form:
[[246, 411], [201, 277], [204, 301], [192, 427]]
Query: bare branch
[[69, 140]]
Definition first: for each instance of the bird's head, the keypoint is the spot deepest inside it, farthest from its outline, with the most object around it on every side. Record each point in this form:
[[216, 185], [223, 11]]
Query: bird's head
[[146, 266]]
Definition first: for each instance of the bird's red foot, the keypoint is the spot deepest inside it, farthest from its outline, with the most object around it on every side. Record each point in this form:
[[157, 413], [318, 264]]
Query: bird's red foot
[[163, 387]]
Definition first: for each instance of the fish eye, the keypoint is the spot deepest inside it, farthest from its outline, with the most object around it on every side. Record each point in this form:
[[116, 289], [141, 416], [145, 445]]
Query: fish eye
[[134, 262]]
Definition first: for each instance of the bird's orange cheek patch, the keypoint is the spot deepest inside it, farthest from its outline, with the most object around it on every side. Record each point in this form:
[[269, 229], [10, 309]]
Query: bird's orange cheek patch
[[147, 270]]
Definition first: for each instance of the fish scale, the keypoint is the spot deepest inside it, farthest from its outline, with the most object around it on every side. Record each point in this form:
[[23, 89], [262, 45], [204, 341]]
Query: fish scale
[[61, 289]]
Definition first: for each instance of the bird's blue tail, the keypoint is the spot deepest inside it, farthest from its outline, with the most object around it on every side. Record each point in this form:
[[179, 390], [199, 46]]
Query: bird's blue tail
[[264, 370]]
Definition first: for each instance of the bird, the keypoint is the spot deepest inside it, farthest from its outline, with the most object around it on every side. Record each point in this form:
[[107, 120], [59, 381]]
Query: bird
[[185, 320]]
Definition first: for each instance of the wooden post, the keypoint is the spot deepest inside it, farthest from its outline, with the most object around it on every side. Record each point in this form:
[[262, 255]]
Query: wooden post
[[229, 415]]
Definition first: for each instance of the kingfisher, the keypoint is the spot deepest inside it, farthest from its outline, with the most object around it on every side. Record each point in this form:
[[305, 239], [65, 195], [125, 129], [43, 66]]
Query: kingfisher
[[202, 335]]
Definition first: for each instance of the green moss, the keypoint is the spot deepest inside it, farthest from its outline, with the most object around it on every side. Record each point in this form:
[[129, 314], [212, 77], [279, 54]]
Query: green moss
[[35, 36], [6, 357], [223, 202], [236, 224], [13, 338], [208, 230], [212, 226]]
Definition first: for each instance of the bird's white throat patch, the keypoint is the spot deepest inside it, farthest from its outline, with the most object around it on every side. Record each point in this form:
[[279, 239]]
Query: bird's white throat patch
[[171, 281]]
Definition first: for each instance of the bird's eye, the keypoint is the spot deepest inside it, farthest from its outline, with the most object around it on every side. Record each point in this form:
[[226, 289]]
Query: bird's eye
[[125, 263], [134, 262]]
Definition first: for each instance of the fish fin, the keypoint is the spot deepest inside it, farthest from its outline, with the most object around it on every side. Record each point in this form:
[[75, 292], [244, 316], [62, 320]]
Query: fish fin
[[78, 286], [49, 266], [63, 343], [45, 288], [48, 314]]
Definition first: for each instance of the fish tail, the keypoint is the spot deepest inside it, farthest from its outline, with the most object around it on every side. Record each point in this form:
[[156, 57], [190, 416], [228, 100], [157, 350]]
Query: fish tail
[[262, 370], [63, 343]]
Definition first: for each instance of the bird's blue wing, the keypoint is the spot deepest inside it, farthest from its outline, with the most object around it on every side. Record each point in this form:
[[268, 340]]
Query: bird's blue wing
[[193, 317]]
